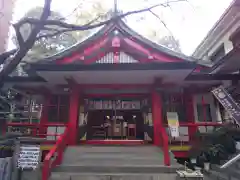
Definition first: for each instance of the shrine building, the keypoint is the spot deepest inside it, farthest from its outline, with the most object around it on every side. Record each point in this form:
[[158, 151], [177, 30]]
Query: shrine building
[[117, 87]]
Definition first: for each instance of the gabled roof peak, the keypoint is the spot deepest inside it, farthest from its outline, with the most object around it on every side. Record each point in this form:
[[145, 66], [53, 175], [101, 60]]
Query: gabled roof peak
[[115, 37]]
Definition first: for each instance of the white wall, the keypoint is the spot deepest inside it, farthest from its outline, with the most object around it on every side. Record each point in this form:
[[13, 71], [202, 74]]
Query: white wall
[[228, 46]]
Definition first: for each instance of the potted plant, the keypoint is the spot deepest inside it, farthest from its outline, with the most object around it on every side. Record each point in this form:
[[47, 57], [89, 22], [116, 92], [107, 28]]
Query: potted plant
[[203, 161]]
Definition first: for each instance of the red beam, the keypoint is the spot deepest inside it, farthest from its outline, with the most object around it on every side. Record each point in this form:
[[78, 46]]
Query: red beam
[[114, 95], [116, 86], [198, 124], [35, 124], [87, 51], [120, 86], [181, 154], [100, 55], [113, 142], [160, 57]]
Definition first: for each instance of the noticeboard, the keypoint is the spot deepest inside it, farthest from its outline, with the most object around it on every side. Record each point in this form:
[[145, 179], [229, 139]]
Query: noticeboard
[[173, 123], [28, 157]]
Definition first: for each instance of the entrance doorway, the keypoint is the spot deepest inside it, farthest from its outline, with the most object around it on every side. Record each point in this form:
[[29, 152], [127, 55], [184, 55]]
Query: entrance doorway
[[117, 125]]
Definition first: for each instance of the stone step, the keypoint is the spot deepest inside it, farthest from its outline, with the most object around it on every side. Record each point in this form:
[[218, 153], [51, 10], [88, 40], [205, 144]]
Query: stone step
[[119, 162], [115, 163], [117, 169], [120, 176], [113, 149], [113, 156]]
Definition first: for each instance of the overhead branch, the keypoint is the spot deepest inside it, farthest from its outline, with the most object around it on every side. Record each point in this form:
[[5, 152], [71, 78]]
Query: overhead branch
[[165, 25], [74, 27], [41, 24], [56, 33], [12, 62]]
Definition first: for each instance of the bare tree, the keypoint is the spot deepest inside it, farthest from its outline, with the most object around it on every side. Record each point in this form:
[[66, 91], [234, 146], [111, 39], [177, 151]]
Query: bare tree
[[14, 57]]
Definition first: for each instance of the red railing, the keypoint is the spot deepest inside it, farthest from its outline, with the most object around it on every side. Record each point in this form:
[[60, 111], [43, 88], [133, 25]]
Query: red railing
[[36, 130], [55, 155], [165, 147], [191, 130]]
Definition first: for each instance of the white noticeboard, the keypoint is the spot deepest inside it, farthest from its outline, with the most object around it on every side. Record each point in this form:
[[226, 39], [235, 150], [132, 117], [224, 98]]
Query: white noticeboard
[[173, 123], [29, 156]]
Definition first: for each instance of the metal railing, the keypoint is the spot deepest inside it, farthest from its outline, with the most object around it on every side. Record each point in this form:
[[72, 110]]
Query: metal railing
[[231, 161]]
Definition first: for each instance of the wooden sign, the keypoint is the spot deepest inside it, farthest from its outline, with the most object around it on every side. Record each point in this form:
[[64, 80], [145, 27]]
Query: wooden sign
[[28, 157], [173, 123], [228, 103], [113, 104]]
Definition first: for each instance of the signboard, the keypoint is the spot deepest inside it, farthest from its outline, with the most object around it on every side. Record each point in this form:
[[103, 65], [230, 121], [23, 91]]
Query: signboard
[[228, 103], [113, 104], [28, 156], [5, 168], [173, 123]]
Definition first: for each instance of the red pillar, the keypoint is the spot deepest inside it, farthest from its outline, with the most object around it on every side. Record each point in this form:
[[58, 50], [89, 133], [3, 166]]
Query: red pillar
[[190, 114], [73, 115], [157, 117], [160, 137], [44, 114]]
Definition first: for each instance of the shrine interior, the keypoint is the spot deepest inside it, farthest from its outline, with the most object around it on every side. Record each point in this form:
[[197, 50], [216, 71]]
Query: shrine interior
[[115, 124]]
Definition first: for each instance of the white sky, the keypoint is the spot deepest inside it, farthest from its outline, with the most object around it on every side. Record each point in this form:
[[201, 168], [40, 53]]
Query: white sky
[[188, 22]]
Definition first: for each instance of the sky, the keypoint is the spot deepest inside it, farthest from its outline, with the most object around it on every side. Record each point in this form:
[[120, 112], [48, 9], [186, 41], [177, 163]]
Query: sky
[[188, 21]]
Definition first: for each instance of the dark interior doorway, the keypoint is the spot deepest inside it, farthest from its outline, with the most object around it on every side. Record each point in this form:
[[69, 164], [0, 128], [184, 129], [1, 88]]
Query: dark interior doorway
[[107, 124]]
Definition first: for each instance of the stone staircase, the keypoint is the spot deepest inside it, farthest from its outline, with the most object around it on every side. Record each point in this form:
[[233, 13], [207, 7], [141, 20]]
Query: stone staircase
[[114, 162]]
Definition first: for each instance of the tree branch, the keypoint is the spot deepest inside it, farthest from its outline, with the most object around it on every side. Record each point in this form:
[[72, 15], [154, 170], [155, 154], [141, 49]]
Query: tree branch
[[86, 26], [56, 33], [18, 35], [40, 24], [12, 62]]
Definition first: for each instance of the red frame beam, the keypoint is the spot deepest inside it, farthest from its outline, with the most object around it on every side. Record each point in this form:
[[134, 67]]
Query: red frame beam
[[159, 57], [118, 95], [87, 51], [115, 86], [113, 142]]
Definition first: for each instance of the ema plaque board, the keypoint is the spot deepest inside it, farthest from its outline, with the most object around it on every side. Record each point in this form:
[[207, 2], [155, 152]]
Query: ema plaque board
[[28, 156]]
